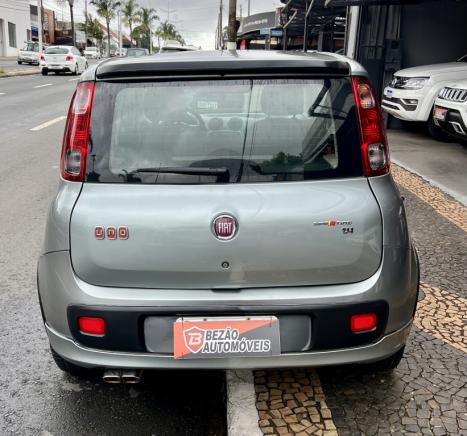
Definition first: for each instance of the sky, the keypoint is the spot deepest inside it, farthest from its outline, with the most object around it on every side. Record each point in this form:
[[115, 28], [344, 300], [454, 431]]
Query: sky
[[195, 20]]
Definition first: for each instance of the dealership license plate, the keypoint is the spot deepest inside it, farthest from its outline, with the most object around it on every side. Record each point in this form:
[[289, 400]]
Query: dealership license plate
[[198, 338], [440, 113]]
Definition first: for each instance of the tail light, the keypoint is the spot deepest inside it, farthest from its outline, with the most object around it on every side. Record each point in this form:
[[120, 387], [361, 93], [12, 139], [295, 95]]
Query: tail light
[[42, 57], [76, 137], [375, 150], [92, 326], [365, 322], [69, 58]]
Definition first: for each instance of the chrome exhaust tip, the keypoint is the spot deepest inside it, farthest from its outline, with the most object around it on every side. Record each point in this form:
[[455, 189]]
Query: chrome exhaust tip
[[131, 376], [112, 376]]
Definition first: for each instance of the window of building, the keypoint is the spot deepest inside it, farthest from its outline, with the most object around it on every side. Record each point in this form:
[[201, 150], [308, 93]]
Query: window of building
[[12, 34]]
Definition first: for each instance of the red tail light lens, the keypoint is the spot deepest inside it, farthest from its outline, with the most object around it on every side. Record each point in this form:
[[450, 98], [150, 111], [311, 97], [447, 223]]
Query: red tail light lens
[[375, 150], [92, 326], [76, 137], [42, 58], [69, 58], [364, 322]]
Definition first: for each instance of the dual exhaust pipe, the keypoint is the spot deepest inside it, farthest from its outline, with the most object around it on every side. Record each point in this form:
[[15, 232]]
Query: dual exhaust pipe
[[126, 376]]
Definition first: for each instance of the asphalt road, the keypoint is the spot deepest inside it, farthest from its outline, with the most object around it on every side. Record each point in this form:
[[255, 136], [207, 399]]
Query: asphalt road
[[35, 397]]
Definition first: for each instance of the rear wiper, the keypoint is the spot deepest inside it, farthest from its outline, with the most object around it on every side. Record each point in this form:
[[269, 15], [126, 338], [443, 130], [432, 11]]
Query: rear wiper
[[222, 174]]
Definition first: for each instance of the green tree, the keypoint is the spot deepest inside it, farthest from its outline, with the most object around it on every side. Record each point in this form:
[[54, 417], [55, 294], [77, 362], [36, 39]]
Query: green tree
[[130, 15], [93, 28], [145, 19], [107, 10], [167, 31]]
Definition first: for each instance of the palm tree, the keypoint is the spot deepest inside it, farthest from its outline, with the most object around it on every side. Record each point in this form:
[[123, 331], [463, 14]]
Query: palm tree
[[106, 9], [130, 15], [167, 31], [145, 18], [93, 28]]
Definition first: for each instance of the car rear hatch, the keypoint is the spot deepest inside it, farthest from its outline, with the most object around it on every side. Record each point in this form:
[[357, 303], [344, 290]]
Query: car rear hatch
[[280, 157], [56, 55]]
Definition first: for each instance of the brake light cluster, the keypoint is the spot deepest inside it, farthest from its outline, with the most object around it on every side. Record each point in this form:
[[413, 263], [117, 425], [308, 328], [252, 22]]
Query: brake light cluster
[[69, 58], [76, 137], [375, 150]]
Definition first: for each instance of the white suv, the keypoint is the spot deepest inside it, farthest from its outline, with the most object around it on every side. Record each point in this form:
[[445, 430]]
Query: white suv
[[450, 112], [413, 91]]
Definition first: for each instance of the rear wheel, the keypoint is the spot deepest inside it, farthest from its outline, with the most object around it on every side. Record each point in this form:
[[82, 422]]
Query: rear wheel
[[19, 62], [70, 368], [389, 363], [45, 71], [75, 71]]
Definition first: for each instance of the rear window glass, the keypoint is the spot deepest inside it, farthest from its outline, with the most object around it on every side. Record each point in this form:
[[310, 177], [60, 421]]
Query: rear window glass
[[236, 131], [56, 50]]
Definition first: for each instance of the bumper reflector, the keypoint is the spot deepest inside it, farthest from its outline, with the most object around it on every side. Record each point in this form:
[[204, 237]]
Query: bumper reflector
[[92, 326], [364, 322]]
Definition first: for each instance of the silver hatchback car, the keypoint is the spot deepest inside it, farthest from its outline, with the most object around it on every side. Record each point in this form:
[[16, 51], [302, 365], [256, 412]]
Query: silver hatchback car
[[226, 210]]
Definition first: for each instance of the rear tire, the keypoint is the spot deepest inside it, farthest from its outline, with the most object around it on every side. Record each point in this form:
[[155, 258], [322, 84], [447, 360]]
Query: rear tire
[[436, 132], [70, 368], [44, 71], [390, 363], [20, 63], [75, 71]]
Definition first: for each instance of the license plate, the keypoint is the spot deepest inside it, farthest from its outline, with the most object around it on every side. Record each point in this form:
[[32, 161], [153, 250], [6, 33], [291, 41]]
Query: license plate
[[440, 114], [201, 338]]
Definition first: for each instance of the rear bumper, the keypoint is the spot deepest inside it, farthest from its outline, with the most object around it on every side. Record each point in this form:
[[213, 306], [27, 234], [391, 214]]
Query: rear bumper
[[393, 288], [83, 356]]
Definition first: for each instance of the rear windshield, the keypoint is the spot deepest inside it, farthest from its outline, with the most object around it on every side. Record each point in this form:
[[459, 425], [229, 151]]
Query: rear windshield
[[136, 52], [223, 131], [56, 50]]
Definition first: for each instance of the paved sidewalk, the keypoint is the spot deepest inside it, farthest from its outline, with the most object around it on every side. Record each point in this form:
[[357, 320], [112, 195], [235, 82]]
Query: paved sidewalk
[[442, 164], [427, 393]]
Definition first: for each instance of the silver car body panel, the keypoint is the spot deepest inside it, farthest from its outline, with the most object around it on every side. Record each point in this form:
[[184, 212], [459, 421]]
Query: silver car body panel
[[395, 281], [169, 225]]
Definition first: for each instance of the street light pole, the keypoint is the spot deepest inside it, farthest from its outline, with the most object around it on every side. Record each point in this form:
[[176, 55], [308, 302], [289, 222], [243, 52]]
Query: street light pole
[[70, 2], [232, 30], [39, 24]]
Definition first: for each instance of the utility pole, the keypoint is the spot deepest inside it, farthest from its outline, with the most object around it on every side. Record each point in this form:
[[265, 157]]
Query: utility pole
[[120, 33], [168, 11], [86, 21], [220, 35], [73, 37], [232, 29], [248, 7], [39, 24]]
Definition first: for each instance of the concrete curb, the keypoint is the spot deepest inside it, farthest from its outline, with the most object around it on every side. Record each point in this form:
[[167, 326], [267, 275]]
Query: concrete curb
[[19, 73], [454, 194], [242, 416]]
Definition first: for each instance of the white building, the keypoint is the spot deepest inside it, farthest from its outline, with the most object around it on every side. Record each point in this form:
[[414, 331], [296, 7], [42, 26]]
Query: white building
[[15, 26]]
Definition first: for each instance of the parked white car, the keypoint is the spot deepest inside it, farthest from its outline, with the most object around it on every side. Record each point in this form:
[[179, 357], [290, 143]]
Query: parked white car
[[92, 53], [62, 59], [412, 93], [450, 112], [29, 54]]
